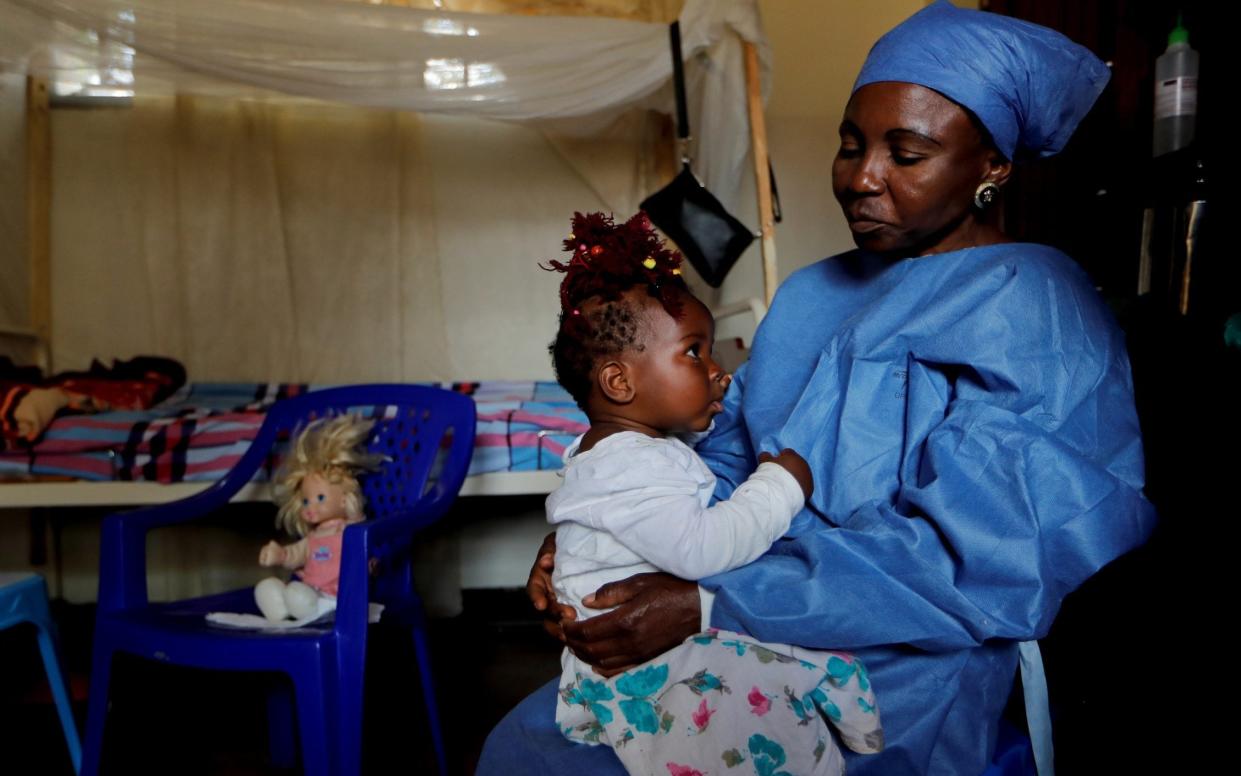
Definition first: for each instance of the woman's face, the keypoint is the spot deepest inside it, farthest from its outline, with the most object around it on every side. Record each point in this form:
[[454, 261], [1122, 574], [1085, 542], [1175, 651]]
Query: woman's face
[[909, 164]]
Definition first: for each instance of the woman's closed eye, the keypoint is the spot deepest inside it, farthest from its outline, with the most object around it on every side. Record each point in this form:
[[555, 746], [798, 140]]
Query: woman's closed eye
[[906, 158], [849, 150]]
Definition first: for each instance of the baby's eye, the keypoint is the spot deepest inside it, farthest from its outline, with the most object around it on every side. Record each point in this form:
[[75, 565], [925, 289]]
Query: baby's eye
[[694, 351], [322, 498], [305, 502]]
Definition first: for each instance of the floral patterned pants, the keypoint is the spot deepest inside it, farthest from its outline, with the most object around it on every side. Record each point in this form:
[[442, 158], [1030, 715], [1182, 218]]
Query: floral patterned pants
[[723, 703]]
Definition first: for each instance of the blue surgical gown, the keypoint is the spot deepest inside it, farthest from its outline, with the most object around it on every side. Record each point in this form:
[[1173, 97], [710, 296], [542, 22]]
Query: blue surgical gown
[[969, 420]]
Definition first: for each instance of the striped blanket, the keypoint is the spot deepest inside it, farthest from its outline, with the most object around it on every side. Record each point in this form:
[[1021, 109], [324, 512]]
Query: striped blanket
[[202, 430]]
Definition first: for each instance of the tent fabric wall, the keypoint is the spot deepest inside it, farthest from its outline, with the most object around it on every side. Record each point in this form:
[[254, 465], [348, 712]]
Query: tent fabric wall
[[215, 221], [572, 75], [311, 242]]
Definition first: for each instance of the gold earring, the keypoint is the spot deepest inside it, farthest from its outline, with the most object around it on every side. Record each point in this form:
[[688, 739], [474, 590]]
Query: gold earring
[[985, 195]]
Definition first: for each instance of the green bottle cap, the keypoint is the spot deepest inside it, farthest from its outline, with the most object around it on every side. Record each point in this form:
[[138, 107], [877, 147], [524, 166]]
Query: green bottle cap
[[1179, 34]]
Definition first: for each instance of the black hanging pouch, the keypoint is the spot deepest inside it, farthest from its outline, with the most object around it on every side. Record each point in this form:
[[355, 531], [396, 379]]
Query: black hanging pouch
[[709, 236]]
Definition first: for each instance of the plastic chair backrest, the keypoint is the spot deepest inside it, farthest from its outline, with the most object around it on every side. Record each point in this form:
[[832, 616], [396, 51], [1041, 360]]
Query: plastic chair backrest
[[410, 416], [417, 441], [415, 429]]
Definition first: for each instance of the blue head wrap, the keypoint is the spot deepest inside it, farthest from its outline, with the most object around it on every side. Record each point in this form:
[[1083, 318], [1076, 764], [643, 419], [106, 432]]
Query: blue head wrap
[[1030, 86]]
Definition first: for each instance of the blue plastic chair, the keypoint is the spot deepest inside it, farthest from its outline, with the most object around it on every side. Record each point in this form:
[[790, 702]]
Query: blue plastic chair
[[23, 598], [428, 435]]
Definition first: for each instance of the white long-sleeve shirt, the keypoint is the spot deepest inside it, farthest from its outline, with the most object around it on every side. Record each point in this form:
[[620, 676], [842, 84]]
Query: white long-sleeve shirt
[[634, 504]]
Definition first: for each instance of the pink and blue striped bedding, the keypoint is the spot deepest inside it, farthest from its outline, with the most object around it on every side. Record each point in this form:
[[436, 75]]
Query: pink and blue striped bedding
[[202, 430]]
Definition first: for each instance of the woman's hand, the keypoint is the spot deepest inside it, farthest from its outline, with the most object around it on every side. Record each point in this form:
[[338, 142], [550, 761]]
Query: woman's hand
[[542, 595], [654, 612]]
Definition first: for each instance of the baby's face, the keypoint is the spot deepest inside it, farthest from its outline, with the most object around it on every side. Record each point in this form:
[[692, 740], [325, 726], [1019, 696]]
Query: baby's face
[[322, 500], [678, 384]]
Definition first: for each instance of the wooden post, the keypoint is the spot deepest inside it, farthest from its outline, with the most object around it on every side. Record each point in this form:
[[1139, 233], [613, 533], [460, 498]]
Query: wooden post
[[38, 215], [762, 175]]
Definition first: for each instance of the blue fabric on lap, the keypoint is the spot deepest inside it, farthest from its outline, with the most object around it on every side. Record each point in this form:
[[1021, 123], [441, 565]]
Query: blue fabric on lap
[[527, 743]]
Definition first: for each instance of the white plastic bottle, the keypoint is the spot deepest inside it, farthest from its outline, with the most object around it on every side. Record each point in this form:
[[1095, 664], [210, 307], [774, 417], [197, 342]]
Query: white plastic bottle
[[1176, 93]]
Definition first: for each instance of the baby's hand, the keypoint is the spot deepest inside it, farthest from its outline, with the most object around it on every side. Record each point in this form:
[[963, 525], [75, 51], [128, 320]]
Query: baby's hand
[[272, 554], [795, 465]]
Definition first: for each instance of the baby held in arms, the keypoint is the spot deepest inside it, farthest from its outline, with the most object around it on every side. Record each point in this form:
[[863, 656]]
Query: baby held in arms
[[634, 350]]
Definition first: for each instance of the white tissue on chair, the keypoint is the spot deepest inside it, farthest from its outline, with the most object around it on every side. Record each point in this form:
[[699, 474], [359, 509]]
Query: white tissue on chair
[[326, 605]]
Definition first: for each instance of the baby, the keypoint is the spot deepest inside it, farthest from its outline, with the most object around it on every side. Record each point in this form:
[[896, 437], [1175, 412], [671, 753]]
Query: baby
[[634, 350]]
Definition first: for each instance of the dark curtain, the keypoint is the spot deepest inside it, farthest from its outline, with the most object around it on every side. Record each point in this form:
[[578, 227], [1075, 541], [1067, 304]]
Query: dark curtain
[[1138, 660]]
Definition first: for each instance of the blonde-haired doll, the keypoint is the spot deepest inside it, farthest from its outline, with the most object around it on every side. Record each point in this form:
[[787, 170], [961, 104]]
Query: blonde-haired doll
[[318, 493]]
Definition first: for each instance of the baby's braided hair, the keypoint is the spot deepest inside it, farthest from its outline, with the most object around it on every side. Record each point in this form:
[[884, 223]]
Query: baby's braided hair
[[608, 260]]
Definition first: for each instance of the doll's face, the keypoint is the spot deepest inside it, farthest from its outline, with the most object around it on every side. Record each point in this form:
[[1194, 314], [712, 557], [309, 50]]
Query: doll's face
[[322, 500]]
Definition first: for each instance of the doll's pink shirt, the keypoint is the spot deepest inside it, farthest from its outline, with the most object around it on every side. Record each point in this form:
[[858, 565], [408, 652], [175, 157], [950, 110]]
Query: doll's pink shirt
[[322, 569]]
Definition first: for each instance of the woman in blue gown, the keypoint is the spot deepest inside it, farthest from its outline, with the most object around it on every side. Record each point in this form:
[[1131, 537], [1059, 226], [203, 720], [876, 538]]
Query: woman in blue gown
[[964, 402]]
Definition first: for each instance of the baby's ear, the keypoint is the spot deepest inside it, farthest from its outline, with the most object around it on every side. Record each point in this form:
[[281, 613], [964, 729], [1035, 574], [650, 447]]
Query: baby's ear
[[614, 382]]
